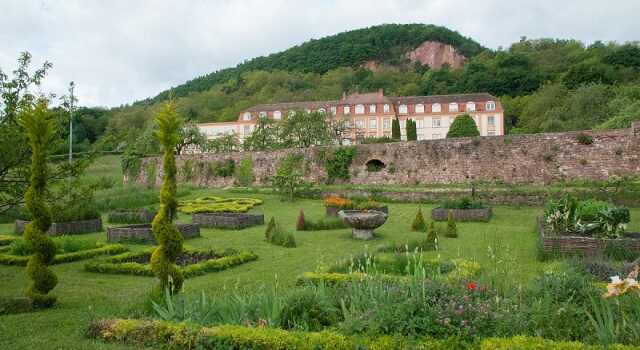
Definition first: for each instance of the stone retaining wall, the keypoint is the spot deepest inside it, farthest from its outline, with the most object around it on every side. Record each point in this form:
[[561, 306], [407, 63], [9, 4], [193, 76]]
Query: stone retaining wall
[[537, 158], [441, 214], [228, 220], [65, 228], [143, 232]]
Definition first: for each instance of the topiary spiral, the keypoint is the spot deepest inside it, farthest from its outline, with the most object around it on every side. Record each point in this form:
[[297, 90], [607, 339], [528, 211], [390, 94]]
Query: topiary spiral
[[39, 129], [163, 259]]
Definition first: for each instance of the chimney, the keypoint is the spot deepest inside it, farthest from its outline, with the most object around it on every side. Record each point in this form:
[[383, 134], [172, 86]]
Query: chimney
[[380, 92]]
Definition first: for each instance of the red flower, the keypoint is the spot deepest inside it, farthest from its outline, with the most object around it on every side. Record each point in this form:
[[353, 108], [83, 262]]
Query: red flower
[[472, 286]]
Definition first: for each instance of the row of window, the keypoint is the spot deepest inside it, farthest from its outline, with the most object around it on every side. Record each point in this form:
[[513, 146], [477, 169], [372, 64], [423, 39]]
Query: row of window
[[402, 109], [386, 123]]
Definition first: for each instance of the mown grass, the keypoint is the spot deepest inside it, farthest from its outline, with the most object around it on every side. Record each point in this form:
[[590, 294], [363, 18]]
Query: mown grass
[[508, 241]]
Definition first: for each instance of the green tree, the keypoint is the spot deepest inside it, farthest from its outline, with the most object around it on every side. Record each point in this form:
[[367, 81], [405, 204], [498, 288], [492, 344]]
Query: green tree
[[265, 136], [288, 180], [244, 172], [463, 126], [302, 129], [412, 132], [418, 223], [163, 259], [40, 132], [395, 129], [190, 137], [452, 230]]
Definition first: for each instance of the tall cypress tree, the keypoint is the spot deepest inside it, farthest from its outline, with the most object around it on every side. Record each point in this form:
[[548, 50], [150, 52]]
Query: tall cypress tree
[[395, 129], [163, 259], [40, 132], [412, 132]]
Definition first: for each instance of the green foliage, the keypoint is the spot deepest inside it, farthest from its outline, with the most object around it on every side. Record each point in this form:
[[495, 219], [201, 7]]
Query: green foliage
[[584, 139], [288, 180], [374, 140], [463, 126], [223, 168], [270, 227], [432, 235], [213, 204], [395, 129], [186, 170], [277, 235], [338, 162], [7, 239], [65, 257], [150, 170], [452, 230], [244, 172], [163, 259], [40, 132], [10, 306], [320, 224], [306, 307], [418, 223], [412, 131], [462, 203]]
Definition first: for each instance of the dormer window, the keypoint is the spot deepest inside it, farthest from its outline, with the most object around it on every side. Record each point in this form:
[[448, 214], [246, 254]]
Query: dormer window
[[420, 108], [490, 106], [372, 108], [263, 114], [402, 109], [436, 108], [471, 107], [277, 115], [246, 116], [453, 107], [385, 108], [346, 110], [359, 109]]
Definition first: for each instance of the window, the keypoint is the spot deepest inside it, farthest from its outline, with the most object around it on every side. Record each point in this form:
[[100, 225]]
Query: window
[[402, 109], [420, 108], [262, 114], [347, 110], [436, 108], [277, 115], [453, 107], [491, 120], [490, 106], [360, 124], [471, 107], [359, 109], [435, 122], [419, 123], [491, 133], [246, 116], [333, 110], [385, 108], [386, 123], [247, 129], [372, 108], [373, 123], [436, 136]]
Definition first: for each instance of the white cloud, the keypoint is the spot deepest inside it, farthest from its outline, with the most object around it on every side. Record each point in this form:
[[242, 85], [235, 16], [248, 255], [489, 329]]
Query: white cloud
[[120, 51]]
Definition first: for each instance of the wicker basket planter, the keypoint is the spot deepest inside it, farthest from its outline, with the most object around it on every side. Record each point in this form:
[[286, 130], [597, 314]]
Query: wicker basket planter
[[66, 228], [130, 216], [233, 221], [581, 245], [441, 214], [333, 211], [143, 233]]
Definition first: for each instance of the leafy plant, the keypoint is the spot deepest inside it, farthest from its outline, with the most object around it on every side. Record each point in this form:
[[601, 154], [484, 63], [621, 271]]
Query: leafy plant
[[288, 180], [452, 230], [462, 203], [337, 164], [584, 139], [278, 236], [244, 172], [463, 126], [418, 223]]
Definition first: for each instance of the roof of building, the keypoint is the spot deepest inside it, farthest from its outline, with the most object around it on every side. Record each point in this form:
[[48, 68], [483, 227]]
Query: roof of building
[[475, 97]]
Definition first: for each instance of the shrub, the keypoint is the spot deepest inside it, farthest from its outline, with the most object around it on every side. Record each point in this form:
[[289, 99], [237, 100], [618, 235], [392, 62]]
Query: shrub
[[7, 239], [244, 172], [278, 236], [213, 204], [412, 133], [374, 140], [308, 309], [395, 129], [432, 236], [10, 306], [323, 224], [418, 223], [462, 203], [463, 126], [288, 181], [409, 246], [452, 230], [337, 164], [584, 139], [21, 260], [270, 227], [348, 204], [300, 224], [224, 168]]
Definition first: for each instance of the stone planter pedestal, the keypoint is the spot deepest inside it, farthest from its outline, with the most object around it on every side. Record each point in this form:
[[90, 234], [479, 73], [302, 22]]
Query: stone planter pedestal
[[363, 223]]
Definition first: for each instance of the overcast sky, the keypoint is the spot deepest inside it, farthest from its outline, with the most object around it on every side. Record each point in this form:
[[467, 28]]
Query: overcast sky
[[119, 51]]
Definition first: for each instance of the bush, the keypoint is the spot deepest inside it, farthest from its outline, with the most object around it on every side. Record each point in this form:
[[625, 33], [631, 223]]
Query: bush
[[288, 181], [412, 133], [308, 309], [432, 236], [268, 233], [21, 260], [244, 172], [7, 239], [452, 230], [276, 235], [462, 203], [418, 223], [224, 168], [300, 223], [322, 224], [584, 139], [337, 164], [463, 126], [374, 140], [213, 204]]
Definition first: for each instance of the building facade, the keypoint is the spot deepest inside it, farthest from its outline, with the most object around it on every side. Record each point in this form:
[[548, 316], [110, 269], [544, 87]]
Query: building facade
[[370, 115]]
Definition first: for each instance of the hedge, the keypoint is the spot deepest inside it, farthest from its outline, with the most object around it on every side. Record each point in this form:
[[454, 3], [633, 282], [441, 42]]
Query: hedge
[[213, 204], [7, 239], [167, 335], [109, 249], [120, 264]]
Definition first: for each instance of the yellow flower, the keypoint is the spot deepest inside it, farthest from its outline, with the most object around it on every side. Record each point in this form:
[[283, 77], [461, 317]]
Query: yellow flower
[[620, 286]]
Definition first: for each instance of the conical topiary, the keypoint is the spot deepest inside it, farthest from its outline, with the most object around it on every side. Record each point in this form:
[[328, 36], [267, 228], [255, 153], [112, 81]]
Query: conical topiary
[[270, 227], [452, 230], [300, 224], [432, 235], [418, 223]]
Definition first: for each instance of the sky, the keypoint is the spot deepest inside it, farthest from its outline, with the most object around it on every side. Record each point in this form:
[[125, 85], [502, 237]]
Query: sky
[[120, 51]]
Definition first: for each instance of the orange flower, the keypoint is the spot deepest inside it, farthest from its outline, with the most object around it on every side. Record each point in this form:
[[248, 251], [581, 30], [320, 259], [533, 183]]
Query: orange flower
[[335, 201]]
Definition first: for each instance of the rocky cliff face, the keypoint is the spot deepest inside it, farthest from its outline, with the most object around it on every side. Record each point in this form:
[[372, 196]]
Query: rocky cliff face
[[435, 54]]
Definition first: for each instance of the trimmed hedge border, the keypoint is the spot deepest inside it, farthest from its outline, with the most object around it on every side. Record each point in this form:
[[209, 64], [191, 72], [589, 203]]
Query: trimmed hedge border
[[68, 228], [441, 214], [168, 335], [144, 233], [121, 264], [7, 239], [580, 245], [109, 249], [131, 216], [234, 221]]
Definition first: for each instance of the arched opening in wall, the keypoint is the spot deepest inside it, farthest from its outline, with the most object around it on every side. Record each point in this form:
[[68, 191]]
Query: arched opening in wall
[[375, 165]]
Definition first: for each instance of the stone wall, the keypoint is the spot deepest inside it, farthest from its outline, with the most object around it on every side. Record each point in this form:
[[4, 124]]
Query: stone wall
[[536, 159]]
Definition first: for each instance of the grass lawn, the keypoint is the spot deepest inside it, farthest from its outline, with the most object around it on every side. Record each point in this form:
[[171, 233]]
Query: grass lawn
[[84, 296]]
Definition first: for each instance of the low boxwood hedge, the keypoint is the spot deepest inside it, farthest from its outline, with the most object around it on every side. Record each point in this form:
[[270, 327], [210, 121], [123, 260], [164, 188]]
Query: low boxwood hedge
[[213, 204], [108, 249], [126, 263], [167, 335], [7, 239]]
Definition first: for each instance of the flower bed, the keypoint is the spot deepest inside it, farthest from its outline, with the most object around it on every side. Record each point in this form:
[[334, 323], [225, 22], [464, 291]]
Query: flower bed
[[108, 249], [131, 216], [192, 262], [228, 220], [69, 228], [212, 204], [143, 232], [441, 214], [334, 204]]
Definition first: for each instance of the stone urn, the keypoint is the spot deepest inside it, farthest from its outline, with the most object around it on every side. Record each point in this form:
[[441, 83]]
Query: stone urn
[[362, 223]]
